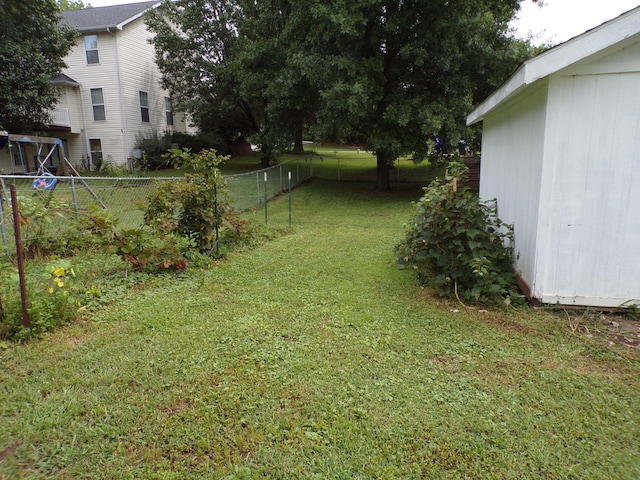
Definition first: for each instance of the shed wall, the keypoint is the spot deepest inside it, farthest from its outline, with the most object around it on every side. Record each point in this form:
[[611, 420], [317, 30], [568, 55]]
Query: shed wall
[[590, 231], [512, 149]]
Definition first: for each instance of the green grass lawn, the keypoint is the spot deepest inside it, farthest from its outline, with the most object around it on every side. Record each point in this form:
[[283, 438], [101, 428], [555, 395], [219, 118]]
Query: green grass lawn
[[313, 356], [339, 163]]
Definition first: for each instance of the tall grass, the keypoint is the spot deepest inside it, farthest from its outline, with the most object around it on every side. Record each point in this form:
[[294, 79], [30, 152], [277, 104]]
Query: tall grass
[[313, 356]]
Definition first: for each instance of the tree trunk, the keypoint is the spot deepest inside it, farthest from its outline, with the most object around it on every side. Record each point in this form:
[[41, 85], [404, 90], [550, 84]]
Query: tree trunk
[[383, 169], [267, 155], [297, 146]]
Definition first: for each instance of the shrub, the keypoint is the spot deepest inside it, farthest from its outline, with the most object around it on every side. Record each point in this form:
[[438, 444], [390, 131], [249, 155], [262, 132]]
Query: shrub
[[197, 206], [457, 243], [53, 299], [202, 141], [39, 215], [150, 251], [153, 147]]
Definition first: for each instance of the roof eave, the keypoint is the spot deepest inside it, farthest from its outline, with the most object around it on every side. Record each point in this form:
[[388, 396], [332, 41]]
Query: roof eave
[[67, 84], [137, 16], [99, 29], [511, 87]]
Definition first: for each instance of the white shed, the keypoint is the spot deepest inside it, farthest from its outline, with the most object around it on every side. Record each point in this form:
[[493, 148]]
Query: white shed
[[561, 154]]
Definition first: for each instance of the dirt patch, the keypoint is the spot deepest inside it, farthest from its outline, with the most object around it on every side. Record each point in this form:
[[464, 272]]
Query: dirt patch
[[612, 330], [498, 321], [176, 408], [8, 451], [449, 363]]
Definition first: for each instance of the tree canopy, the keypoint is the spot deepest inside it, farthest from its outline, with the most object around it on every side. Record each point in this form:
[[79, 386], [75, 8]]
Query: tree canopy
[[72, 5], [226, 62], [33, 48], [391, 73], [399, 72]]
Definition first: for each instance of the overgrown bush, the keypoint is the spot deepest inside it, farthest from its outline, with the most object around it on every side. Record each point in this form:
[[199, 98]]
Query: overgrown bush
[[201, 141], [142, 248], [39, 215], [197, 206], [457, 244], [155, 147]]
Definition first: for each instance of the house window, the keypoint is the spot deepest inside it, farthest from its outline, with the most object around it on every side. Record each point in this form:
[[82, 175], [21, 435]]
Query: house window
[[17, 154], [97, 101], [168, 110], [144, 106], [95, 145], [91, 49]]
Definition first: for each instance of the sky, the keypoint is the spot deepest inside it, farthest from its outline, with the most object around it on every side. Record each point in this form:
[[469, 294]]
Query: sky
[[560, 20], [556, 22]]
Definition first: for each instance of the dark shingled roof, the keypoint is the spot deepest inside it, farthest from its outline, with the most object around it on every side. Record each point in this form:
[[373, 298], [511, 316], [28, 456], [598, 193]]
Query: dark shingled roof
[[62, 79], [102, 18]]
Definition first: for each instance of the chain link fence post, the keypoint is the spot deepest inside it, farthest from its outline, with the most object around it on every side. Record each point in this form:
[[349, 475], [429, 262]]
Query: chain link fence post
[[3, 221], [20, 256]]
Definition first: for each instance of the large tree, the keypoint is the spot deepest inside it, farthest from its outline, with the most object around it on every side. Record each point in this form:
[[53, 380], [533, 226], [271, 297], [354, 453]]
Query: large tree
[[217, 59], [32, 48], [393, 73], [226, 62], [398, 72]]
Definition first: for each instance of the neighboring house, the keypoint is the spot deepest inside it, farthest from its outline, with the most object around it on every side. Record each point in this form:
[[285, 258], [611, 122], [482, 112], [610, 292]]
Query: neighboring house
[[561, 154], [110, 91]]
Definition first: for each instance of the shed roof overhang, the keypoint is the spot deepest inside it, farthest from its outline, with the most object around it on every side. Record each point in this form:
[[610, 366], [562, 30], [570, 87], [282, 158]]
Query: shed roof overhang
[[561, 56]]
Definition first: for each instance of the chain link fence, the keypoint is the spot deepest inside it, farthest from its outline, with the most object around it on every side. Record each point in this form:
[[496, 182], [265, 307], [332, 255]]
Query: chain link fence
[[247, 190], [125, 198]]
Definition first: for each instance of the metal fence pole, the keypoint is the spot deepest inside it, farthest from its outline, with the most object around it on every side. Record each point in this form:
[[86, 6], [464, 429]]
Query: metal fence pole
[[75, 197], [217, 213], [3, 223], [289, 198], [258, 184], [265, 198], [20, 256]]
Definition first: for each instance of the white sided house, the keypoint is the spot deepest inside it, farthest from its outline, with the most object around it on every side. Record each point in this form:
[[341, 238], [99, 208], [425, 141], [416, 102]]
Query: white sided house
[[113, 62], [110, 92], [561, 154]]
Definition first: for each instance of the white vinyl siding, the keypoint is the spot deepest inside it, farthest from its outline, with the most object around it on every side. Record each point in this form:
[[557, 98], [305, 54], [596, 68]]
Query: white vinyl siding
[[512, 152], [132, 46], [126, 67], [592, 237]]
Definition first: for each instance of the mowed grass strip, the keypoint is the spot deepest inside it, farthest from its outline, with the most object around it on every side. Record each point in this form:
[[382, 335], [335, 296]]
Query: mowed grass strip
[[313, 356]]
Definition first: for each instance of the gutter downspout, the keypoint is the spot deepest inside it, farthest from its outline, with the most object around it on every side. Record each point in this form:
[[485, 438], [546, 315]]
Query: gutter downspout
[[85, 143], [123, 117]]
